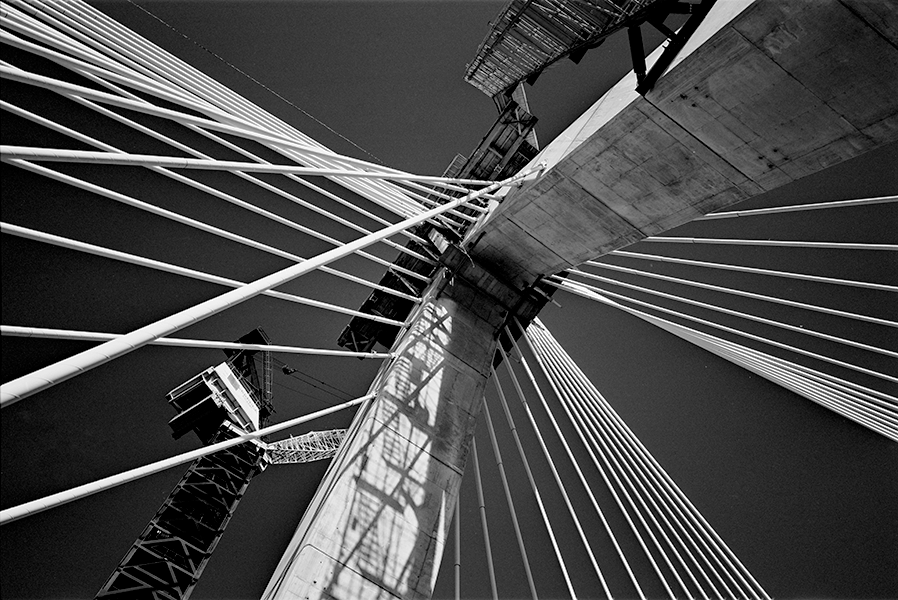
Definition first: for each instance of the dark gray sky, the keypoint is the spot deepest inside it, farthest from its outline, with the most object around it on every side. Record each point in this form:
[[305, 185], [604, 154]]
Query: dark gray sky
[[808, 500]]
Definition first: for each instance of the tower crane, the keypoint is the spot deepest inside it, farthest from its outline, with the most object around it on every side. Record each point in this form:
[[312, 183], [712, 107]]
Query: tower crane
[[222, 402]]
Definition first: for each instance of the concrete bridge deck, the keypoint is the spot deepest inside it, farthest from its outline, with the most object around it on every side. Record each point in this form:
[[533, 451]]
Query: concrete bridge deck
[[764, 93]]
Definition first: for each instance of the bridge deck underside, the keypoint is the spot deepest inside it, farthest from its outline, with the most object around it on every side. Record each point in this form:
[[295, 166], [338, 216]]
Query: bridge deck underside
[[759, 98]]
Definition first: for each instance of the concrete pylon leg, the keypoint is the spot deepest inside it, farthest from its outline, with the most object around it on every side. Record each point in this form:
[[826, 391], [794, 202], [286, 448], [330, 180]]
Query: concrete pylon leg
[[378, 524]]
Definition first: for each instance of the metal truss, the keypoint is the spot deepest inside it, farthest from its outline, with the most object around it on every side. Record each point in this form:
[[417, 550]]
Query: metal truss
[[166, 561], [530, 35], [312, 446]]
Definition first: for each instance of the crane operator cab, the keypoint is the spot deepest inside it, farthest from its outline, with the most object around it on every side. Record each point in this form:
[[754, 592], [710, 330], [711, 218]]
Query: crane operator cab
[[206, 401]]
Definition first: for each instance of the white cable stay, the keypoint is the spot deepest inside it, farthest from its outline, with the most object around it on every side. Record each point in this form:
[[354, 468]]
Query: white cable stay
[[259, 211], [197, 185], [876, 410], [96, 30], [616, 426], [57, 85], [865, 394], [15, 156], [636, 531], [180, 75], [170, 69], [175, 162], [743, 293], [652, 505], [673, 505], [423, 194], [129, 95], [777, 243], [636, 501], [798, 207], [721, 553], [112, 195], [533, 487], [643, 470], [491, 570], [509, 501], [558, 482], [781, 372], [95, 336], [575, 463], [585, 290], [457, 530], [148, 131], [96, 68], [80, 58], [593, 411], [161, 66], [191, 273], [49, 376], [607, 474], [91, 74], [454, 216], [433, 191], [307, 184], [879, 418], [743, 269], [126, 47], [15, 74], [735, 313], [36, 506]]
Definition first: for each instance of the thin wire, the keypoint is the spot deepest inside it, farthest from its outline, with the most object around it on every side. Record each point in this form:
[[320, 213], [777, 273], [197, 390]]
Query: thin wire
[[296, 391], [483, 524], [581, 289], [677, 329], [545, 337], [294, 370], [736, 313], [564, 392], [509, 500], [798, 207], [256, 81], [743, 269], [563, 439], [15, 513], [536, 494], [550, 461]]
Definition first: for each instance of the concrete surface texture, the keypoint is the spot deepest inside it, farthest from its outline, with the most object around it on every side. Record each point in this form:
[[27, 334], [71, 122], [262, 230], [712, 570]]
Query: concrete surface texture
[[378, 524], [765, 93]]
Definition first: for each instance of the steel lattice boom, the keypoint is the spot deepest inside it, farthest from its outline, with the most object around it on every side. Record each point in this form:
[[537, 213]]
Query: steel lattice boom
[[315, 445], [530, 35]]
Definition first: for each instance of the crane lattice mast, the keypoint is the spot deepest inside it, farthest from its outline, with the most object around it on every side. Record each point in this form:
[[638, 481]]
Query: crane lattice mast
[[222, 402]]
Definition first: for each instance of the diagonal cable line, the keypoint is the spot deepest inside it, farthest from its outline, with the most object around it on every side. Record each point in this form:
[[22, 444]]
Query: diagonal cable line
[[257, 82], [777, 243], [736, 313], [41, 379], [743, 269], [736, 292], [861, 400], [585, 290], [798, 208]]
